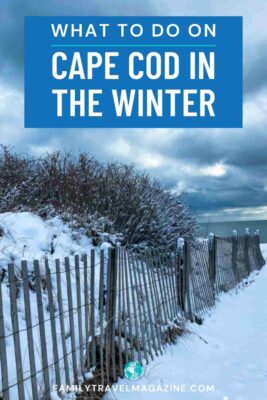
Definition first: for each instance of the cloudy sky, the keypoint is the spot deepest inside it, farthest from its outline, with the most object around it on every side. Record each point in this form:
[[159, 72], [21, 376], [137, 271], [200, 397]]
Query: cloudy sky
[[223, 173]]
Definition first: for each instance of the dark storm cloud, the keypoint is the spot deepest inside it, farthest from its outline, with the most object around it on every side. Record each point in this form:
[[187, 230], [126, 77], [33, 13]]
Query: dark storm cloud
[[241, 152], [240, 148], [12, 14], [11, 29], [255, 68], [217, 169], [218, 198]]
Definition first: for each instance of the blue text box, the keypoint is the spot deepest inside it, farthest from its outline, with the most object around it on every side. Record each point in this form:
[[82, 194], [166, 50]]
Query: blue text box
[[139, 58]]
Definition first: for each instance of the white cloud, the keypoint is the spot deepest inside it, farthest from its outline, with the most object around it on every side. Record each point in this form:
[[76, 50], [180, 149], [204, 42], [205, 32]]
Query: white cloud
[[254, 22], [255, 110], [121, 147], [12, 131], [217, 170], [133, 152], [11, 114], [150, 160]]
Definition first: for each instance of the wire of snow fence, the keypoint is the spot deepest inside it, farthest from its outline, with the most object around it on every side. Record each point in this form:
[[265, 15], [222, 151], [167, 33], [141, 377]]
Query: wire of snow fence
[[62, 321]]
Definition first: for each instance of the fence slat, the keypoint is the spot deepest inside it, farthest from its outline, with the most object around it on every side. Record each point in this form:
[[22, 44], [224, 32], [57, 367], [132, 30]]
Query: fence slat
[[207, 287], [126, 265], [79, 311], [42, 328], [3, 356], [125, 316], [108, 316], [197, 294], [165, 269], [86, 310], [158, 306], [165, 288], [119, 311], [153, 304], [161, 292], [92, 303], [173, 267], [113, 270], [140, 305], [71, 320], [168, 261], [62, 323], [53, 324], [101, 313], [148, 308], [142, 298], [28, 318], [15, 327], [133, 291], [171, 292]]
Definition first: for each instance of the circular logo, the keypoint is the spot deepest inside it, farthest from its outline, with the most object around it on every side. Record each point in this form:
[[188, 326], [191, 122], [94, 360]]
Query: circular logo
[[133, 370]]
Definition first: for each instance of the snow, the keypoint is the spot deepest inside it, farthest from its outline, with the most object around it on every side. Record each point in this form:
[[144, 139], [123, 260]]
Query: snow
[[228, 353], [26, 236]]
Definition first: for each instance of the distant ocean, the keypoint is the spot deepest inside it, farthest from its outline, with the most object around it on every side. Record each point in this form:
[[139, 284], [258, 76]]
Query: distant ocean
[[225, 228]]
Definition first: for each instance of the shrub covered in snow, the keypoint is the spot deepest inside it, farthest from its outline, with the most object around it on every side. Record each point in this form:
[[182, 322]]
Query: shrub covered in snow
[[103, 198]]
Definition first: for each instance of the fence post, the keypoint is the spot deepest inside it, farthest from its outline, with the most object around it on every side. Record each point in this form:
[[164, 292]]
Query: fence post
[[234, 254], [180, 281], [246, 250], [257, 237], [257, 250], [212, 259], [187, 273]]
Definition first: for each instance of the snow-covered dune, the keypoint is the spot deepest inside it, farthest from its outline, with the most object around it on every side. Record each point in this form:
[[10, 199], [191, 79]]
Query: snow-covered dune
[[24, 235]]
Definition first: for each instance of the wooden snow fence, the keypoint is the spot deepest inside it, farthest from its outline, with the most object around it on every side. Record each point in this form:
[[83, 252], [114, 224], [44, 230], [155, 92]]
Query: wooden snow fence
[[61, 320]]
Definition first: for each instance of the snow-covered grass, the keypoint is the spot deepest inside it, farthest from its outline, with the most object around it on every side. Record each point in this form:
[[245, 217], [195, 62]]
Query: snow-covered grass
[[228, 352], [26, 236]]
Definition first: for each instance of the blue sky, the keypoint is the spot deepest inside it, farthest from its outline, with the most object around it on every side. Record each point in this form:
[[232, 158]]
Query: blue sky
[[223, 173]]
